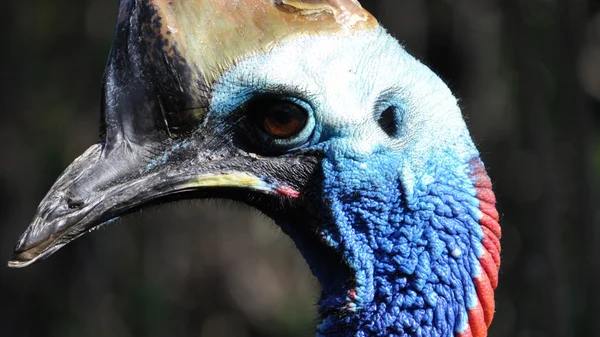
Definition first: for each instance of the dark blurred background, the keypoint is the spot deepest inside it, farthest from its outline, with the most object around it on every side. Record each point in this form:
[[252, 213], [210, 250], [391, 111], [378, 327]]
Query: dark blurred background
[[528, 76]]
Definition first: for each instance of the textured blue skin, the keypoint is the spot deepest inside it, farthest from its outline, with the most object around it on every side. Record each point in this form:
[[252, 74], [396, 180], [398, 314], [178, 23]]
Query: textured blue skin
[[400, 247], [399, 210]]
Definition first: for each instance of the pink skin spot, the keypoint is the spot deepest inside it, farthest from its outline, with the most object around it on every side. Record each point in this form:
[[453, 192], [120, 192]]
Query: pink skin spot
[[350, 305], [288, 192], [352, 294]]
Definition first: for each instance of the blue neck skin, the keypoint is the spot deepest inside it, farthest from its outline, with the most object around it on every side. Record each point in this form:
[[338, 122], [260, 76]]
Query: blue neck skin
[[408, 246], [397, 234]]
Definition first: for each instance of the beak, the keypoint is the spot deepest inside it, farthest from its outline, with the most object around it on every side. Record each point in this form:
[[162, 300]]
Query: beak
[[99, 186], [157, 137], [157, 140]]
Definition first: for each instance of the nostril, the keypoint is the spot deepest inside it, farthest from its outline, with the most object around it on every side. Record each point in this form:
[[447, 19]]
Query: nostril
[[63, 206], [74, 203]]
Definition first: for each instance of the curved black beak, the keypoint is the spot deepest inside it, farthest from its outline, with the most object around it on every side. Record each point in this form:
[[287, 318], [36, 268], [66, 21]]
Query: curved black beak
[[156, 142], [100, 186]]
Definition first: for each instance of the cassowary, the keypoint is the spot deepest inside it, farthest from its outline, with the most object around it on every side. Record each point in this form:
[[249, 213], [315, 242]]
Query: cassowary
[[311, 112]]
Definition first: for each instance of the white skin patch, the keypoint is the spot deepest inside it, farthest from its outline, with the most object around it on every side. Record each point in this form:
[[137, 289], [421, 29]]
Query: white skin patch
[[349, 80]]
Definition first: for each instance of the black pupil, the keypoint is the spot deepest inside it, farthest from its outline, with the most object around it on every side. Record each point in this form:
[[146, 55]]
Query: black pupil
[[284, 113]]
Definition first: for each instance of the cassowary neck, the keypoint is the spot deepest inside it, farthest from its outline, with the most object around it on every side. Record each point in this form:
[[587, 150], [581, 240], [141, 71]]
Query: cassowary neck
[[422, 257]]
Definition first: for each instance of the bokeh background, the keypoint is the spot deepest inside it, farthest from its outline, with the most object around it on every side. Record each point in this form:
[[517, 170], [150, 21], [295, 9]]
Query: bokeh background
[[528, 76]]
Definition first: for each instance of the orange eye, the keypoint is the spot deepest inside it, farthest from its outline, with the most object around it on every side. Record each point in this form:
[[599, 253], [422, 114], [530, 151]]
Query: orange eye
[[282, 119]]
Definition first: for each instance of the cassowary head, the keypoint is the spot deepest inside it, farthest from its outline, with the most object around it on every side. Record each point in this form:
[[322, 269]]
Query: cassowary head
[[311, 112]]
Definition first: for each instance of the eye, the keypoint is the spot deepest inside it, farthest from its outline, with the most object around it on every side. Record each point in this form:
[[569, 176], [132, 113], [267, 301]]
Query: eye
[[279, 124], [279, 118]]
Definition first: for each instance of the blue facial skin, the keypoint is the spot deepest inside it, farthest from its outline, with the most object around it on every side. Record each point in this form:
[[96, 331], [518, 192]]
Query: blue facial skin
[[414, 255], [397, 213]]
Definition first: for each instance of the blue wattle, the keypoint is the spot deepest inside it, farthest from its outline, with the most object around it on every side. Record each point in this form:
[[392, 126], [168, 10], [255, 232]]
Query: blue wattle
[[412, 248]]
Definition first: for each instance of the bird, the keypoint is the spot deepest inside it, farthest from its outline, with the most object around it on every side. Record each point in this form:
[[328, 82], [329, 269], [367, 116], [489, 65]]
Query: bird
[[311, 112]]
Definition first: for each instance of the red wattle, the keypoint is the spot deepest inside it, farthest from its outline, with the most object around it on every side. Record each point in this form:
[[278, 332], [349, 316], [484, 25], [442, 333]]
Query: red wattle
[[480, 317]]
